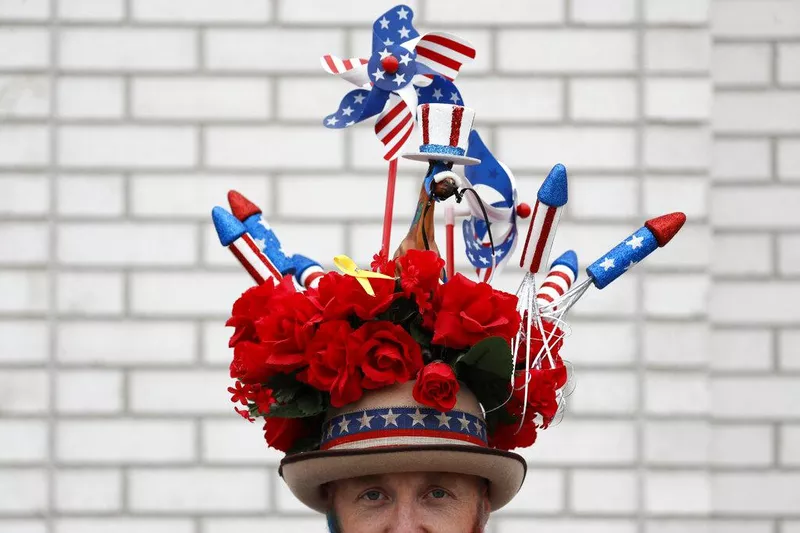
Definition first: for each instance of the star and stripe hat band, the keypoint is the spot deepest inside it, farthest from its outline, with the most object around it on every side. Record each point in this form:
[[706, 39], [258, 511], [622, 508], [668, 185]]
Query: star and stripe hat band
[[388, 431]]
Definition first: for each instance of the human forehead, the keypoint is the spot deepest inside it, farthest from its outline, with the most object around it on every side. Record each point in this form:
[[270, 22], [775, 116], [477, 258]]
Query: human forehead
[[410, 478]]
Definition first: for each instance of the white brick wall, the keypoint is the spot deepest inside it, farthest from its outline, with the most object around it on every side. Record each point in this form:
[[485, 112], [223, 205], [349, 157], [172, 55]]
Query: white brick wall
[[123, 121]]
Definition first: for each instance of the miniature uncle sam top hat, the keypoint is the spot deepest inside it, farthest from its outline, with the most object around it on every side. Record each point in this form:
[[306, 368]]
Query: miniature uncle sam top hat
[[445, 133]]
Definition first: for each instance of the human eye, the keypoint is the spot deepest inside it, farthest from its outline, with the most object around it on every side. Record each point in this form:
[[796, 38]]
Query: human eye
[[438, 493], [372, 495]]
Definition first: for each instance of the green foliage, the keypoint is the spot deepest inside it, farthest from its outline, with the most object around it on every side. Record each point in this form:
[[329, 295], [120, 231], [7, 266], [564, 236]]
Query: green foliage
[[486, 370], [491, 356], [400, 312]]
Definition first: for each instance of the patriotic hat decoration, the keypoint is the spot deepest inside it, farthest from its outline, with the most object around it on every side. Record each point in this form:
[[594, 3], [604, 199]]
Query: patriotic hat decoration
[[402, 368], [390, 80], [445, 130], [247, 234], [496, 187]]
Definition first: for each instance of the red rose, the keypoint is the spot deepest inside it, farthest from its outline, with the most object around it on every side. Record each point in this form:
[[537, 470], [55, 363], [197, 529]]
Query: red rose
[[381, 263], [283, 433], [510, 436], [249, 363], [506, 436], [436, 386], [542, 389], [420, 273], [467, 312], [385, 353], [347, 387], [341, 296], [253, 305], [328, 367], [287, 330]]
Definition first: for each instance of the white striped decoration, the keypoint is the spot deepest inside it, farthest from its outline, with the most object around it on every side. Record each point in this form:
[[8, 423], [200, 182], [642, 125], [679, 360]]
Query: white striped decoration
[[541, 232], [253, 260], [556, 284]]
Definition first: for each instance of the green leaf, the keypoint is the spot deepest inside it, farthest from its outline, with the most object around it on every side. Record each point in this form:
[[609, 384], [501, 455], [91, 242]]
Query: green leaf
[[422, 336], [285, 387], [492, 356], [309, 403], [401, 310]]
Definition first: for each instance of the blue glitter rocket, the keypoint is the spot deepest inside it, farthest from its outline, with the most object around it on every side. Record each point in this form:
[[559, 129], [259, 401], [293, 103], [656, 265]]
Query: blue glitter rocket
[[229, 228], [262, 234], [306, 271], [654, 234], [568, 259]]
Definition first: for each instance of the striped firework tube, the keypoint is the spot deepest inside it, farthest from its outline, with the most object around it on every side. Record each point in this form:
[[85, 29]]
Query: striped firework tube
[[550, 201], [253, 260], [233, 235], [557, 282]]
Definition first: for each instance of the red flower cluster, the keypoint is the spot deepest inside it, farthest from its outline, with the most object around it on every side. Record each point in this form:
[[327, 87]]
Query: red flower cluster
[[465, 312], [541, 399], [336, 340], [345, 362]]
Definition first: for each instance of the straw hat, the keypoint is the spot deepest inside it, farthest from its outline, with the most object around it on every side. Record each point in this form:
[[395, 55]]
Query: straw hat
[[387, 431]]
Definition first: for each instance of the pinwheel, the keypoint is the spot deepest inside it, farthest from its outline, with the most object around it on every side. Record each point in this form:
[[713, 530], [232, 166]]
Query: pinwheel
[[389, 84], [495, 187]]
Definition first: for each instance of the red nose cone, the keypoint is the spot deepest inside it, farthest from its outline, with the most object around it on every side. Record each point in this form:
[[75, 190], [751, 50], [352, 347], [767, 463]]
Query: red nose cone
[[523, 210], [241, 207], [665, 227], [390, 64]]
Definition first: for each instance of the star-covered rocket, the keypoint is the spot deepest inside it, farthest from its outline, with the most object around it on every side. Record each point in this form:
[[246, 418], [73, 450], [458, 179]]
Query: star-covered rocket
[[655, 233], [233, 235]]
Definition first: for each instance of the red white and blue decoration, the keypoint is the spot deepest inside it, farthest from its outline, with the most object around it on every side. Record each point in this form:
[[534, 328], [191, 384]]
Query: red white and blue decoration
[[550, 201], [445, 130], [563, 273], [397, 426], [400, 63], [496, 187], [655, 233], [233, 235], [307, 272]]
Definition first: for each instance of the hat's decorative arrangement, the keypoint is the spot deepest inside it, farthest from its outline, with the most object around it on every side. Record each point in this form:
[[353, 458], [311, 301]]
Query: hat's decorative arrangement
[[495, 184], [403, 70], [411, 366]]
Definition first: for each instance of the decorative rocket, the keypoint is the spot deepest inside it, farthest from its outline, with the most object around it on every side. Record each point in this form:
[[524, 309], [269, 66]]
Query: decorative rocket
[[233, 234], [655, 233], [550, 201], [563, 273], [306, 271]]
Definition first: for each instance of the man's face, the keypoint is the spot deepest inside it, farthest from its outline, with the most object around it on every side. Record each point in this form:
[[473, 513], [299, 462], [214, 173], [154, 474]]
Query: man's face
[[418, 502]]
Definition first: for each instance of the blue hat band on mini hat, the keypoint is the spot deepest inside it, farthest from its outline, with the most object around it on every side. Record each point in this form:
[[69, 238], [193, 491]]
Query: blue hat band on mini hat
[[441, 149]]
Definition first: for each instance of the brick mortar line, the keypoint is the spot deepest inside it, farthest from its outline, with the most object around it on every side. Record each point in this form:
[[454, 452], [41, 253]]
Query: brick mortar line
[[53, 29]]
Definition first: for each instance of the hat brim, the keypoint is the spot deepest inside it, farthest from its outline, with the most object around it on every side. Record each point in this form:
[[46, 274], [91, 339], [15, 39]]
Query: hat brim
[[306, 473], [457, 159]]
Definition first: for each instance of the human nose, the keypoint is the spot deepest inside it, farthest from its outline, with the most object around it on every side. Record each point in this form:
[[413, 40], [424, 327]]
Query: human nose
[[406, 519]]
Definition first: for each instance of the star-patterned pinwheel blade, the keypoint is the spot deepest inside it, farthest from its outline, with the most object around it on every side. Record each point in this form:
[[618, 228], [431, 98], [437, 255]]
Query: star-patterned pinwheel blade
[[495, 185], [357, 105], [394, 27], [353, 70]]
